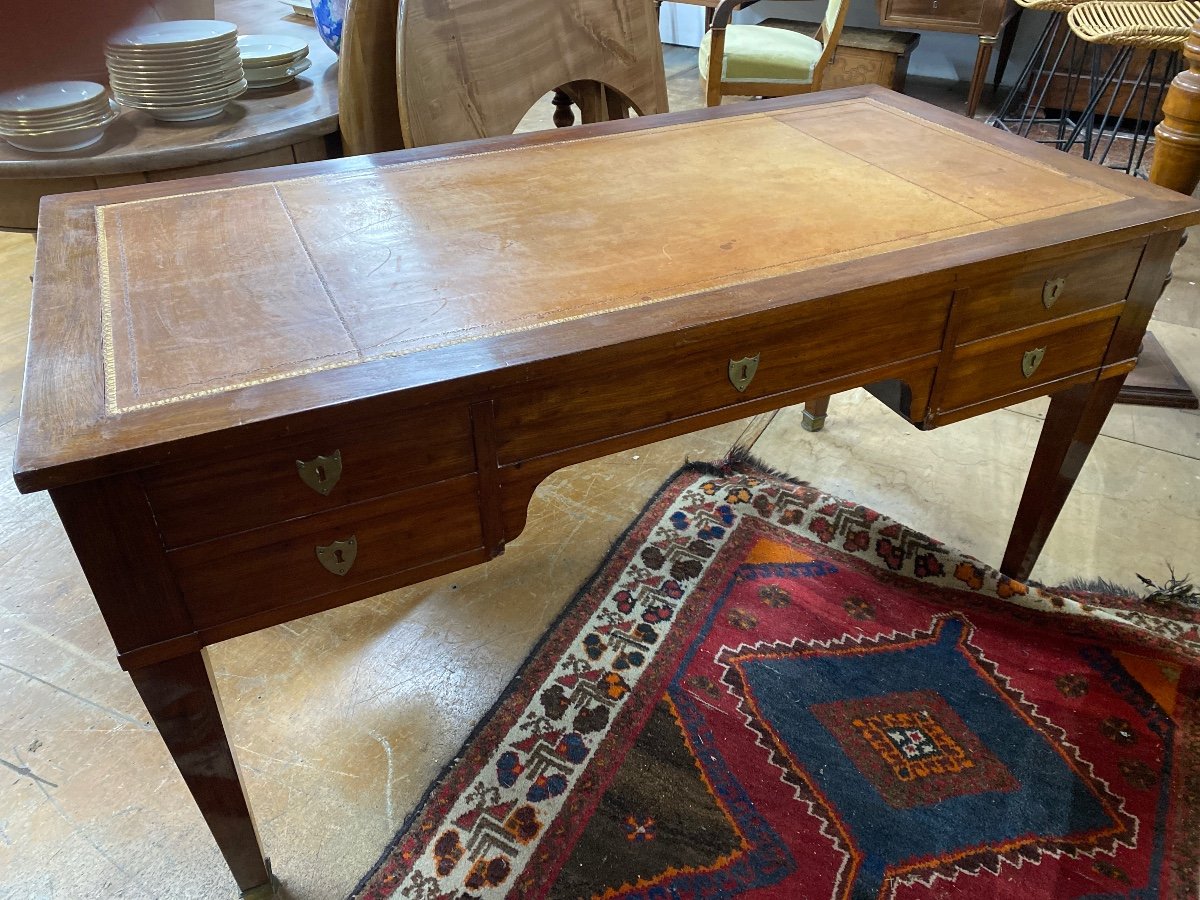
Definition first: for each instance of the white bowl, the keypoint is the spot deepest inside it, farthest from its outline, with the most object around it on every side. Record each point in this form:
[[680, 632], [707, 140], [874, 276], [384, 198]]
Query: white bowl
[[108, 110], [190, 113], [177, 35], [62, 140], [258, 77], [260, 50], [71, 116], [53, 96]]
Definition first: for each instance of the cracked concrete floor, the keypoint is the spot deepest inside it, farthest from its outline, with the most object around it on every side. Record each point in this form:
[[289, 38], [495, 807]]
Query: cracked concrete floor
[[342, 719]]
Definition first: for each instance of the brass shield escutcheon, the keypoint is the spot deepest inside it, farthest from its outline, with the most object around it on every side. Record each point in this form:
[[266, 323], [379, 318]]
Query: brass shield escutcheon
[[1052, 290], [1031, 361], [741, 371], [322, 473], [339, 556]]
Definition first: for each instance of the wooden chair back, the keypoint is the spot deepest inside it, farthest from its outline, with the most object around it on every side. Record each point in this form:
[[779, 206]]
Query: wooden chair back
[[473, 68], [829, 34]]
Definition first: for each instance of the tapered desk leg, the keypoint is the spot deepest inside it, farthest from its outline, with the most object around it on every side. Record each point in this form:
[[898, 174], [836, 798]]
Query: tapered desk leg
[[979, 77], [181, 696], [1072, 424], [116, 539], [815, 410]]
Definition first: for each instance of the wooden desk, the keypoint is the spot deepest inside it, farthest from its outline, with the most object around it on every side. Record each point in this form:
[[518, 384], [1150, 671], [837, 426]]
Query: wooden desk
[[710, 7], [987, 18], [240, 388]]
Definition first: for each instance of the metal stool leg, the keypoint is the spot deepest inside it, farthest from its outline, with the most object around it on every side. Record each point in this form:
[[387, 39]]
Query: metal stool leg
[[1024, 107]]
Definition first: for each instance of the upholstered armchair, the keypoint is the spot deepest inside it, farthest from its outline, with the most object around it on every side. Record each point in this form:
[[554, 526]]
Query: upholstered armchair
[[761, 61]]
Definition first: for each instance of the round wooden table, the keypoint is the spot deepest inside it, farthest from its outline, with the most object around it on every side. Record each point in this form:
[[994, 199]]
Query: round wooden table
[[275, 126]]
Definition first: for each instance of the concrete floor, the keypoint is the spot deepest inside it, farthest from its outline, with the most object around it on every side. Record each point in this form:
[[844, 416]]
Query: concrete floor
[[342, 719]]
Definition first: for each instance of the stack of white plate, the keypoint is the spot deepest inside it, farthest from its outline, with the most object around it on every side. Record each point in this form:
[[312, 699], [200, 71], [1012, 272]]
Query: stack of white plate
[[56, 116], [176, 71], [270, 60]]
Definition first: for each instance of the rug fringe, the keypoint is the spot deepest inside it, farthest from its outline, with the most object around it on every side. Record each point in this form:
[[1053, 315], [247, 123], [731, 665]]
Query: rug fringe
[[1095, 586], [738, 460]]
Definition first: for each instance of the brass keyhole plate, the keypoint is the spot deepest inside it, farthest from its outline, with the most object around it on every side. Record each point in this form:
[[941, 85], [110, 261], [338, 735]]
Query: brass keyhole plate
[[321, 473], [339, 556], [741, 371]]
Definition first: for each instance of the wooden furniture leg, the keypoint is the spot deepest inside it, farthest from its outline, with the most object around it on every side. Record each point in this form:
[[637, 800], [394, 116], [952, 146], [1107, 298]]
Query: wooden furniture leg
[[979, 76], [1007, 38], [1072, 424], [815, 410], [564, 116], [181, 696], [116, 539]]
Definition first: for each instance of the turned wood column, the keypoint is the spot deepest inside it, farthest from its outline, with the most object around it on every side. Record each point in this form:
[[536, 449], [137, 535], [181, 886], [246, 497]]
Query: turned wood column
[[1177, 153], [1157, 381]]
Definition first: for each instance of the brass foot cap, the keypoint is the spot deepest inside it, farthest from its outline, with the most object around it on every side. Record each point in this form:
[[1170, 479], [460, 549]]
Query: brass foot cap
[[809, 422]]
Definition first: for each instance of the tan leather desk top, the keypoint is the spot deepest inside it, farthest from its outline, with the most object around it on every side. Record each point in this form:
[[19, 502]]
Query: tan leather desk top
[[331, 266]]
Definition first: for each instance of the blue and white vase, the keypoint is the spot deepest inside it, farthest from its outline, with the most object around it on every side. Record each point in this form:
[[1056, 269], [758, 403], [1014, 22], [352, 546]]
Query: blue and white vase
[[329, 15]]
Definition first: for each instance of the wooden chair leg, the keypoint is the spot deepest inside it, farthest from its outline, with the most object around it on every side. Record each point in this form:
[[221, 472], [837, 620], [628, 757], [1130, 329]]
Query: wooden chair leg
[[815, 410], [181, 697], [589, 97], [564, 116], [615, 105]]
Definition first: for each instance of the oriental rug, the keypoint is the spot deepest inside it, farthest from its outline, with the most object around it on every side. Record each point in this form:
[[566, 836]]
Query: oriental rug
[[765, 691]]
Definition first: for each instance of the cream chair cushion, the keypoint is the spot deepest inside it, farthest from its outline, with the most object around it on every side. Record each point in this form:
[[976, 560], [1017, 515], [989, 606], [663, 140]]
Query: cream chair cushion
[[763, 53]]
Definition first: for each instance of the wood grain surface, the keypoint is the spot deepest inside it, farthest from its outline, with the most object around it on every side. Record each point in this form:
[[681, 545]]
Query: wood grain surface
[[473, 68], [351, 277]]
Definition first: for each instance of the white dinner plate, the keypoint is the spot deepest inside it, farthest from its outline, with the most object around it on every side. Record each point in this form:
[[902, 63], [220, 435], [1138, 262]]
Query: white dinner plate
[[259, 50], [141, 83], [177, 35], [169, 101], [173, 64]]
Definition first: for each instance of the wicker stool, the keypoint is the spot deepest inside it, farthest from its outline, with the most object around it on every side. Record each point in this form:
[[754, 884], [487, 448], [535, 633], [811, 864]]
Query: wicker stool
[[1162, 29], [1057, 61]]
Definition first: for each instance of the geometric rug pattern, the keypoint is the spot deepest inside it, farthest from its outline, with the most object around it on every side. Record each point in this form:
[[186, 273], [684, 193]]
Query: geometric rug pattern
[[765, 691]]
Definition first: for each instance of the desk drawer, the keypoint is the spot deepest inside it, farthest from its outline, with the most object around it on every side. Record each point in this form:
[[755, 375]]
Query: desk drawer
[[984, 371], [248, 573], [1037, 295], [613, 393], [964, 13], [264, 486]]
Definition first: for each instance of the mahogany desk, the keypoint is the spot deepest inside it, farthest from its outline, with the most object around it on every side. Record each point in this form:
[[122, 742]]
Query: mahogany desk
[[239, 387]]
